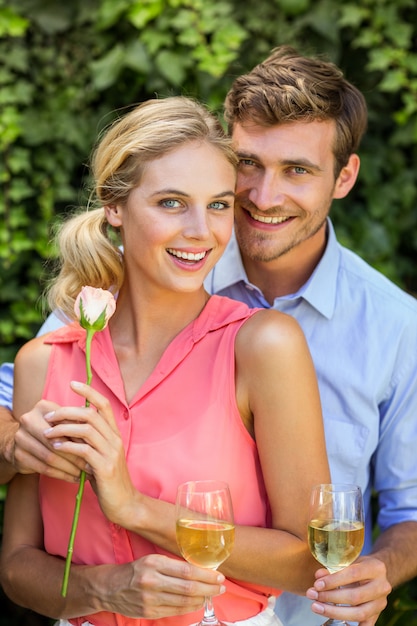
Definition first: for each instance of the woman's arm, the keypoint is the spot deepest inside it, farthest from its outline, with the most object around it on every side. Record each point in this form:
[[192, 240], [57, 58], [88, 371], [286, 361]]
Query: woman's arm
[[152, 587], [278, 397]]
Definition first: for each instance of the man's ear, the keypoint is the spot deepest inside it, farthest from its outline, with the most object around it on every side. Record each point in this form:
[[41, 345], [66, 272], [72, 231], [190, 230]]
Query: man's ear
[[347, 177], [113, 215]]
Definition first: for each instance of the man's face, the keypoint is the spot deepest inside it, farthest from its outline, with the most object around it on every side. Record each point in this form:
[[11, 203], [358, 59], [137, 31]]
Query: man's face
[[285, 187]]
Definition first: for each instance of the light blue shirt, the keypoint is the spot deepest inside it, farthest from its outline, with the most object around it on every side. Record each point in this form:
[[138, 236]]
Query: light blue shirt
[[362, 334], [6, 385]]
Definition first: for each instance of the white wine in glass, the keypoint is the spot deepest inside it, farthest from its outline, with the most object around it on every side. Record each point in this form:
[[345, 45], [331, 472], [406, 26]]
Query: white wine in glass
[[205, 529], [336, 528]]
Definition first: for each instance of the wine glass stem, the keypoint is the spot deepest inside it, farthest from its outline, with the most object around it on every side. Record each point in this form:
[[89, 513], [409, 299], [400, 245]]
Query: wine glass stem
[[209, 618], [333, 621]]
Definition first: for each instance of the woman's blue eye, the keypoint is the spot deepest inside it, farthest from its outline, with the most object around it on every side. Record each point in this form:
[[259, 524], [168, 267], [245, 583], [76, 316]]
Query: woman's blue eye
[[219, 205], [170, 203]]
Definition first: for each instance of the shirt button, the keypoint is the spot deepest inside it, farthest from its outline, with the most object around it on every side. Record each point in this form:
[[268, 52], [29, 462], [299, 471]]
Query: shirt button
[[126, 415]]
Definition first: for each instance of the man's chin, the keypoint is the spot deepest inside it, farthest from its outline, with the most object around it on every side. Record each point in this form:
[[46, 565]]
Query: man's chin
[[259, 251]]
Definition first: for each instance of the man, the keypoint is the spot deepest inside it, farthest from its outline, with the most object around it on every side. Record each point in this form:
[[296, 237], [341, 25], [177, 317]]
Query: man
[[297, 124]]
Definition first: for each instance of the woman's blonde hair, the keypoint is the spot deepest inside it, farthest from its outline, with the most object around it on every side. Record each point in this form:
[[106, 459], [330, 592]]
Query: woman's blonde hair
[[88, 251]]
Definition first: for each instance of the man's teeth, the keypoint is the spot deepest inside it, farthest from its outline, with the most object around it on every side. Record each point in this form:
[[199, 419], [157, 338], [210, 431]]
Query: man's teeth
[[268, 220], [188, 256]]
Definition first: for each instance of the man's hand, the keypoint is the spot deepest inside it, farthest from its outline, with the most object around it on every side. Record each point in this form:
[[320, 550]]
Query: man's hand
[[363, 587]]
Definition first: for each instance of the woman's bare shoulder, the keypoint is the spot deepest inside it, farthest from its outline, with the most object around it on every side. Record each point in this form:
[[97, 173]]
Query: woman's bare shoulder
[[33, 353], [31, 366], [268, 329]]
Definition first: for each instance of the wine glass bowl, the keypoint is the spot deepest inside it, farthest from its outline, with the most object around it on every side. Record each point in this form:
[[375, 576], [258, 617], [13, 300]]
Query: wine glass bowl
[[206, 544], [336, 527], [205, 529]]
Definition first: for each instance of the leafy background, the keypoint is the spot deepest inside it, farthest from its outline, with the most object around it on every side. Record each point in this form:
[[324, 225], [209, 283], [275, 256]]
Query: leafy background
[[67, 67]]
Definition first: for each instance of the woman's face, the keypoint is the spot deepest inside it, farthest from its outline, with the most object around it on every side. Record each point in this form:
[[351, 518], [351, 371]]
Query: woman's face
[[178, 221]]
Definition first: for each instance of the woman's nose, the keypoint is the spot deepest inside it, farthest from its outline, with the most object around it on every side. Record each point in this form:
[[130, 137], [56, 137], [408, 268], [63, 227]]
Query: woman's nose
[[197, 225]]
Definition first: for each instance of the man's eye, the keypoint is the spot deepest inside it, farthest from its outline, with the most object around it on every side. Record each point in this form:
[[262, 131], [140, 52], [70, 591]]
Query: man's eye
[[299, 170], [246, 162]]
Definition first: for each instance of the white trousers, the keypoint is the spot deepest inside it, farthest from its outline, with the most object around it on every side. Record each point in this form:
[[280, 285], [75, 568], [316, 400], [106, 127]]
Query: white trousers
[[266, 618]]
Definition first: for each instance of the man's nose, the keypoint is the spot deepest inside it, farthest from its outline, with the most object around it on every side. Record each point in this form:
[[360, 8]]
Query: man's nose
[[267, 191]]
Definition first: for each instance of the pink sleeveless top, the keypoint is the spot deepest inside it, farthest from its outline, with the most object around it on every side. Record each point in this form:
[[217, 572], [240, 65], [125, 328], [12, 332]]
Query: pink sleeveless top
[[183, 424]]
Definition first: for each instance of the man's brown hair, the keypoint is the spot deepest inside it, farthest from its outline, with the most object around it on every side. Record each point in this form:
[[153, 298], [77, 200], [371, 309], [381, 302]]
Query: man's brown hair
[[288, 87]]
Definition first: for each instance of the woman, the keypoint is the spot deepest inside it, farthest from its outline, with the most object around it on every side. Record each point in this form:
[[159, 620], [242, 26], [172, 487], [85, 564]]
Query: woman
[[183, 386]]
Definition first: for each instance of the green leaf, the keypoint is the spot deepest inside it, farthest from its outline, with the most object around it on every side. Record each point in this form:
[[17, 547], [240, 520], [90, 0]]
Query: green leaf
[[400, 35], [352, 15], [12, 24], [10, 126], [293, 7], [144, 11], [110, 12], [136, 57], [393, 81], [106, 70], [172, 66], [155, 39]]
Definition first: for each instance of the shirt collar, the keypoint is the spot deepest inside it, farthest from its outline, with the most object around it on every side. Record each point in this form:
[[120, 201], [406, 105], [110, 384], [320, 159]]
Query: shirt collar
[[319, 291]]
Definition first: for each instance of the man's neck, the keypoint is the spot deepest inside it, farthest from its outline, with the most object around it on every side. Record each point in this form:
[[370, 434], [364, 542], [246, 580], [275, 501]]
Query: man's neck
[[286, 274]]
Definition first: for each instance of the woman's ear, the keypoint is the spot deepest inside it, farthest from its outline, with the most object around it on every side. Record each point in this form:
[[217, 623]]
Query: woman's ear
[[347, 177], [113, 214]]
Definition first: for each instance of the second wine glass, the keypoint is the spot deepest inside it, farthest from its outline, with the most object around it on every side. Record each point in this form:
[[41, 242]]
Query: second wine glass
[[205, 529], [336, 528]]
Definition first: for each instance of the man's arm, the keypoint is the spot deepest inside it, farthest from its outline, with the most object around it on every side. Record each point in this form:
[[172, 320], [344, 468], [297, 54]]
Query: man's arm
[[395, 466], [8, 425], [393, 559], [394, 547], [8, 429]]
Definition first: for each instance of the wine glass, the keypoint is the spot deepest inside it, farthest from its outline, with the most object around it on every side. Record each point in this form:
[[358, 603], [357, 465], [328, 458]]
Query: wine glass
[[205, 529], [336, 528]]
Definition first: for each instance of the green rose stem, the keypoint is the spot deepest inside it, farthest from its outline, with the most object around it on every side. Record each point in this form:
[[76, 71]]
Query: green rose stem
[[79, 496], [93, 308]]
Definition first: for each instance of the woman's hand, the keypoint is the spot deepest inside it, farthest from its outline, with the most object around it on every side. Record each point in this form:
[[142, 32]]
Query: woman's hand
[[91, 435], [33, 452], [157, 586]]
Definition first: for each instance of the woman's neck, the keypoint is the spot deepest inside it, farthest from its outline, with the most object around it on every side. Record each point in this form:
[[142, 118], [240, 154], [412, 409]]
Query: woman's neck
[[142, 328]]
